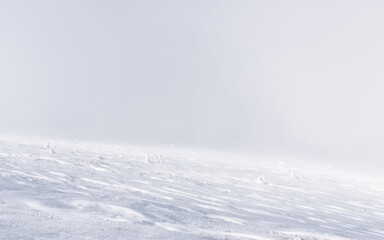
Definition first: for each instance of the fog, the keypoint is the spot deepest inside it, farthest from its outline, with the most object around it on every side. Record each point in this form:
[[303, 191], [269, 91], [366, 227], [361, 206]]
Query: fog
[[287, 77]]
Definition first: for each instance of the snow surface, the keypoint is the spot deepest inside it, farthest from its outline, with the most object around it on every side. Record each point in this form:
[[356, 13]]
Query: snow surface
[[73, 190]]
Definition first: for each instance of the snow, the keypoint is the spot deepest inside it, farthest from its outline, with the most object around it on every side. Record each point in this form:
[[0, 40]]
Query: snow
[[112, 191]]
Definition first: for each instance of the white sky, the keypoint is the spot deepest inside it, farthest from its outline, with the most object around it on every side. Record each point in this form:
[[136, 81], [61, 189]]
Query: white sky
[[284, 76]]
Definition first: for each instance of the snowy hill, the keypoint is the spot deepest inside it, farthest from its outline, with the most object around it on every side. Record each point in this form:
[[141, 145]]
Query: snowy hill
[[70, 190]]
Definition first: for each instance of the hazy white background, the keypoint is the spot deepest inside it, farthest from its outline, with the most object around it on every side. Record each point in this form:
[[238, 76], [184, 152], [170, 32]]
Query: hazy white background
[[290, 77]]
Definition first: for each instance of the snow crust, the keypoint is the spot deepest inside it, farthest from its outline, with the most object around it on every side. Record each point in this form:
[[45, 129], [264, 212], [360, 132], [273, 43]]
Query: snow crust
[[73, 190]]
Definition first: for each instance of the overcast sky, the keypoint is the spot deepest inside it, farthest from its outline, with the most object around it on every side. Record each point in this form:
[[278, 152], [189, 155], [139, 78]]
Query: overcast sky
[[284, 76]]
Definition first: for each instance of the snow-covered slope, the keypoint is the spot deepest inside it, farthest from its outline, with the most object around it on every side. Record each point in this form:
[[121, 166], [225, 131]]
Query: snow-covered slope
[[75, 190]]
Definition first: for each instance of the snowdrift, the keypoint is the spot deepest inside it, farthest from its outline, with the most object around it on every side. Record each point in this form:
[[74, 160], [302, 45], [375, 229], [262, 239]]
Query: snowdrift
[[72, 190]]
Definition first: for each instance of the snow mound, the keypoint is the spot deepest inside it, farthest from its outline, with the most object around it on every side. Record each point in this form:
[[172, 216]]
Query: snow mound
[[51, 191]]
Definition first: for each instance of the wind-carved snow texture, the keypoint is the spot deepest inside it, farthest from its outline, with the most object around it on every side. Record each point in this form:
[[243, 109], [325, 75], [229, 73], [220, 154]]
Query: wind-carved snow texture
[[93, 191]]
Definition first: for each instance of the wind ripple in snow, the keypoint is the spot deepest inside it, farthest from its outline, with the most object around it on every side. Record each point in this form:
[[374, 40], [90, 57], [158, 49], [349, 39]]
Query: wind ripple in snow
[[106, 192]]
